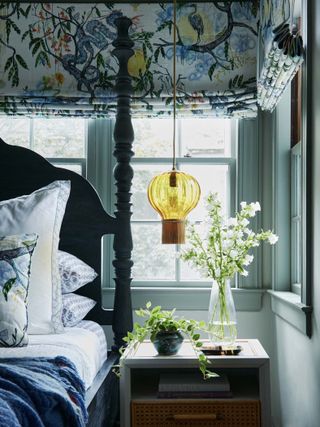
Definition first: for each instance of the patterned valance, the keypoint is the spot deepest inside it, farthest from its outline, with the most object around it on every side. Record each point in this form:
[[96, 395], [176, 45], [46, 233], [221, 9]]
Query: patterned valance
[[281, 52], [56, 58]]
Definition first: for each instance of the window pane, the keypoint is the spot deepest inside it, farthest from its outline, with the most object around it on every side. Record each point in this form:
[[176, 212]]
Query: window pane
[[59, 137], [206, 137], [295, 251], [188, 273], [152, 137], [142, 210], [212, 178], [15, 131], [152, 260], [70, 166]]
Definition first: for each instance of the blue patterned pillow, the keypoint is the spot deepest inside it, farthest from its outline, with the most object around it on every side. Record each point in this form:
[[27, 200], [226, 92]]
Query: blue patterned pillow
[[74, 273], [75, 308], [15, 263]]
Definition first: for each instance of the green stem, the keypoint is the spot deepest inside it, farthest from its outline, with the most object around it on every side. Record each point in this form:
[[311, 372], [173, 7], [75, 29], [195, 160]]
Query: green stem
[[221, 328]]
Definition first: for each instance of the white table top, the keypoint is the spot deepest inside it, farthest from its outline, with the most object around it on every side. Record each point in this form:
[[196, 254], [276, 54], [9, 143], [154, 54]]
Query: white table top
[[145, 355]]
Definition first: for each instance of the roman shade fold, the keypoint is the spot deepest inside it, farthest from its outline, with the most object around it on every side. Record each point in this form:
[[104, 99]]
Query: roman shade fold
[[55, 59], [281, 52]]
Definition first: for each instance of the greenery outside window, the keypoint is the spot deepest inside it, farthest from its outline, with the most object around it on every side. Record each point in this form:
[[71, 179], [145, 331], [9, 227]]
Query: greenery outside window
[[222, 154], [62, 141], [206, 148]]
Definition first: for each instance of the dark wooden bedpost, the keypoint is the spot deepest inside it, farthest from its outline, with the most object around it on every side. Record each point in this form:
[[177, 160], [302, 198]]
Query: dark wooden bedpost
[[123, 173]]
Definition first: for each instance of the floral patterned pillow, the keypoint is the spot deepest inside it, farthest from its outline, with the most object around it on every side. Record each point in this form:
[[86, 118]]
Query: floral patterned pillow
[[74, 273], [15, 263], [75, 308]]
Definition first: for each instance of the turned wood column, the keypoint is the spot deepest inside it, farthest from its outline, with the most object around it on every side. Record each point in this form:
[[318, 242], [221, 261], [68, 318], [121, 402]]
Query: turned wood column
[[123, 174]]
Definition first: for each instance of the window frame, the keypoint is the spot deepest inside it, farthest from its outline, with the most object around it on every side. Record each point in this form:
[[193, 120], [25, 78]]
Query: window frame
[[230, 162], [296, 218], [98, 166], [294, 308], [249, 291]]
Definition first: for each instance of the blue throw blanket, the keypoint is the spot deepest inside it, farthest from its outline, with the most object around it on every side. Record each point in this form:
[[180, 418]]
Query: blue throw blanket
[[41, 392]]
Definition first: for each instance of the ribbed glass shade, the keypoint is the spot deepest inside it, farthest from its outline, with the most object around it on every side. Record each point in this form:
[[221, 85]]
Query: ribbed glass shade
[[173, 195]]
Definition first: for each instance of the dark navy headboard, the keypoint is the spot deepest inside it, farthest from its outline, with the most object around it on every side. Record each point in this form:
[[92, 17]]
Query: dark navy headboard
[[85, 222], [23, 171]]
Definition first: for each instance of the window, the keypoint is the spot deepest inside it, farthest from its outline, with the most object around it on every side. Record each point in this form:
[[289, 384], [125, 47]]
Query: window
[[223, 155], [296, 219], [61, 141], [291, 132], [206, 148]]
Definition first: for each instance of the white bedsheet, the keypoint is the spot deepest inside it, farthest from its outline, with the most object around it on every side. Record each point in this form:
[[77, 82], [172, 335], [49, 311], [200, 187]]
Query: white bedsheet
[[85, 345]]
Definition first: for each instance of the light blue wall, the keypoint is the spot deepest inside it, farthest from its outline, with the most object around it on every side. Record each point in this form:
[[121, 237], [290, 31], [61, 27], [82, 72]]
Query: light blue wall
[[296, 365], [295, 359]]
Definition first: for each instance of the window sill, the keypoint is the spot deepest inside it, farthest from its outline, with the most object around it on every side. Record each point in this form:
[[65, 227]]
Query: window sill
[[288, 306], [186, 298]]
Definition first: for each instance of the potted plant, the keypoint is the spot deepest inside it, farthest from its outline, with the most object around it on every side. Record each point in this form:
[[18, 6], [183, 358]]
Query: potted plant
[[166, 331], [219, 248]]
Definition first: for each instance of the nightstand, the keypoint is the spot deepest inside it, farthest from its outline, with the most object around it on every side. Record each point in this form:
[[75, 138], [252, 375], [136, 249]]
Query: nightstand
[[248, 374]]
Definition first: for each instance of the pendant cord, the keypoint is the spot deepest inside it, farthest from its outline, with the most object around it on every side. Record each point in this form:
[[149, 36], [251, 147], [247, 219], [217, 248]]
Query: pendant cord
[[174, 85], [292, 7]]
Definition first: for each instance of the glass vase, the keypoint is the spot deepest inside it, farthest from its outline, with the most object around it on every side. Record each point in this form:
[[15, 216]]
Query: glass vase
[[222, 321]]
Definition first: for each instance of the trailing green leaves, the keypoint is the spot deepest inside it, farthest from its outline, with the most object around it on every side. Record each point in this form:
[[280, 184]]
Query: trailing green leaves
[[158, 320]]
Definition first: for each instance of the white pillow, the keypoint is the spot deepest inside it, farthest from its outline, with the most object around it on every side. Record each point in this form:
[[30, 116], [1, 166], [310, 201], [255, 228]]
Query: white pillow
[[40, 212]]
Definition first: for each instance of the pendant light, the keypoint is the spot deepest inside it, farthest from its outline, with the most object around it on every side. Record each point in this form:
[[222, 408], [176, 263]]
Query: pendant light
[[173, 194]]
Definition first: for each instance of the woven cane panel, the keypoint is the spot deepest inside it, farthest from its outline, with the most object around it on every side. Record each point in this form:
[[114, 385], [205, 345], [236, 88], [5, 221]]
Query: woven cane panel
[[227, 414]]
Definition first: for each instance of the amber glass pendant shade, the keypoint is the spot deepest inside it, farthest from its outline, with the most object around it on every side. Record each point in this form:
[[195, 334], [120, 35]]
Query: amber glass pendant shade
[[173, 195]]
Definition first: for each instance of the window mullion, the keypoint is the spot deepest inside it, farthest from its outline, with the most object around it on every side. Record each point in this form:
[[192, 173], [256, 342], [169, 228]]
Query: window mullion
[[31, 134]]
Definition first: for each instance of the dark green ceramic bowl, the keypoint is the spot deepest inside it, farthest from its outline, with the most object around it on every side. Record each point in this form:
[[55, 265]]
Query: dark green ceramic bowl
[[168, 343]]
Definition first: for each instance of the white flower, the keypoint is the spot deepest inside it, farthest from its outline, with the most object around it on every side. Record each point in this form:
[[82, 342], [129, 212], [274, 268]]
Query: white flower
[[232, 222], [256, 206], [226, 244], [248, 260], [243, 205], [230, 234], [217, 272], [273, 239], [239, 242], [244, 222], [233, 253], [248, 232], [238, 234], [251, 210], [244, 273], [255, 244]]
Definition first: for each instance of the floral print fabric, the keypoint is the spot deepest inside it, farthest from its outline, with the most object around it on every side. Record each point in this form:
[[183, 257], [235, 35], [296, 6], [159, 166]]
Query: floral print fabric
[[74, 273], [279, 63], [56, 58], [75, 308], [15, 262]]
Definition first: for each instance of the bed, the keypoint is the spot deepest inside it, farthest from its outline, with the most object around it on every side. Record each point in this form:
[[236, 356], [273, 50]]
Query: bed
[[84, 223]]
